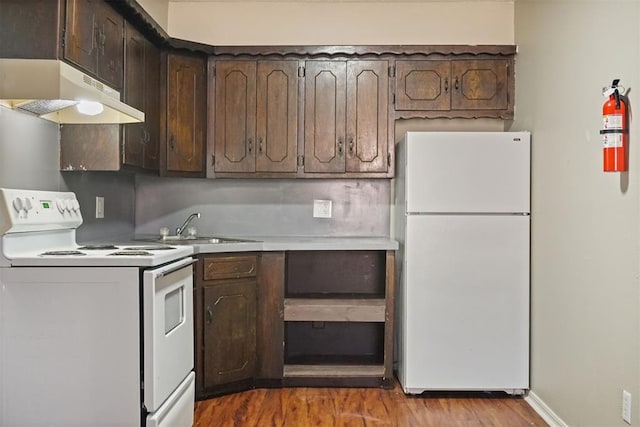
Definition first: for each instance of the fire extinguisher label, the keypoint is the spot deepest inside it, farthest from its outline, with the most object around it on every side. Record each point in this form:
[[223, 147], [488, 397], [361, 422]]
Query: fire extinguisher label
[[612, 121], [612, 140]]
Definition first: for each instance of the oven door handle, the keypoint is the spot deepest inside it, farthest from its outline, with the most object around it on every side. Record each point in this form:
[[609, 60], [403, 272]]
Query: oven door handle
[[174, 267]]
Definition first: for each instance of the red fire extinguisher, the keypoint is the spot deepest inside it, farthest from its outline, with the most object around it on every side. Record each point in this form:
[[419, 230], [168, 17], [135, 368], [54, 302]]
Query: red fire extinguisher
[[615, 129]]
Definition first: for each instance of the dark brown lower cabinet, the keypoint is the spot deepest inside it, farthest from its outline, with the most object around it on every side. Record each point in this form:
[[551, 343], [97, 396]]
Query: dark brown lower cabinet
[[225, 330], [296, 318]]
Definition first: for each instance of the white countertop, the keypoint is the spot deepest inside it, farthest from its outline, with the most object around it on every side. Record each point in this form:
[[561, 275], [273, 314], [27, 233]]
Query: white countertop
[[296, 243], [307, 243]]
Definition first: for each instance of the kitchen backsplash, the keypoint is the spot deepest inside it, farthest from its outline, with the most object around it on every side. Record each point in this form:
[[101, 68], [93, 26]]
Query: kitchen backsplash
[[118, 191], [29, 152], [235, 207]]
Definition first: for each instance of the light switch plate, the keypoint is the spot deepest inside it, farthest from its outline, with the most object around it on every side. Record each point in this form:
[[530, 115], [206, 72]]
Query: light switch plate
[[322, 208]]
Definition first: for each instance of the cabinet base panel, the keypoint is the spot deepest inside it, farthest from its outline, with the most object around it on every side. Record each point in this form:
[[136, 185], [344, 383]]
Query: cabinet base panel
[[343, 382]]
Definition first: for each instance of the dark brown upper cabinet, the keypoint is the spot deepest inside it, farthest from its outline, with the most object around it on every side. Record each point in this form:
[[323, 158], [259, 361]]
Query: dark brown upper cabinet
[[141, 91], [94, 38], [346, 116], [254, 124], [471, 86], [183, 124]]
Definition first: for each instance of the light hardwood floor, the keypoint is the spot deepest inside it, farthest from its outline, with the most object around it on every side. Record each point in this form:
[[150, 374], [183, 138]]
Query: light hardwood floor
[[301, 407]]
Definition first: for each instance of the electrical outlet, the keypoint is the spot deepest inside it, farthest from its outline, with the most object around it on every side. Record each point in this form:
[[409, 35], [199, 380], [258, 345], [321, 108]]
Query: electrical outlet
[[99, 207], [626, 406], [322, 208]]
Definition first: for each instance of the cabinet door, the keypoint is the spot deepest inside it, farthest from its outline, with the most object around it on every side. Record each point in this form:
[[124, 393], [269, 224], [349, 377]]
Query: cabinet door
[[277, 116], [134, 94], [324, 112], [235, 116], [33, 28], [480, 84], [142, 91], [186, 105], [367, 116], [110, 38], [423, 85], [152, 107], [229, 332], [80, 45]]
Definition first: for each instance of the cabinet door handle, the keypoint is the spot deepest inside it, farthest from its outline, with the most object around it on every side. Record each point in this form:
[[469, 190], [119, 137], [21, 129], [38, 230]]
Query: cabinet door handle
[[446, 84], [209, 315], [351, 145], [340, 146], [260, 144], [102, 37], [456, 85], [250, 144]]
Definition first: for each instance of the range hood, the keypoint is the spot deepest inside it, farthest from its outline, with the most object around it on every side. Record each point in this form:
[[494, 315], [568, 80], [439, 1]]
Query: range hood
[[55, 91]]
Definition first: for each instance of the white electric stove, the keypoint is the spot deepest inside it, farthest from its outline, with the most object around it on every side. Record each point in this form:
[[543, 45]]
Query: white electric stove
[[98, 335]]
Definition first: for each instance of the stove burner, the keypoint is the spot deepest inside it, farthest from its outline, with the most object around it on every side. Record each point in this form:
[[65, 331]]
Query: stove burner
[[148, 248], [97, 247], [62, 253], [130, 253]]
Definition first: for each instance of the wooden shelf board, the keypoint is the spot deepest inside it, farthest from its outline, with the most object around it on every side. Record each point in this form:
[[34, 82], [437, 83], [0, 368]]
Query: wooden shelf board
[[334, 310], [333, 370]]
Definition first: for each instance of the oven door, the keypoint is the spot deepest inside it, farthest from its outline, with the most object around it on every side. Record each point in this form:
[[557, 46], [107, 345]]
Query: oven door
[[168, 330]]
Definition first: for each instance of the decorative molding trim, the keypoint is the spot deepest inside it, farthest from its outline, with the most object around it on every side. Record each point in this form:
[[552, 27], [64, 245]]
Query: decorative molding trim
[[331, 51], [544, 411]]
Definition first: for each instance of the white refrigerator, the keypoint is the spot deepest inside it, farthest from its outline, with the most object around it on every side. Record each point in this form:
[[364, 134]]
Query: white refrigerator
[[461, 216]]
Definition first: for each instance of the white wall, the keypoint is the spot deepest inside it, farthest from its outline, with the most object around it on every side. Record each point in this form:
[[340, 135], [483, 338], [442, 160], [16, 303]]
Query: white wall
[[585, 223], [159, 11], [342, 22], [29, 152]]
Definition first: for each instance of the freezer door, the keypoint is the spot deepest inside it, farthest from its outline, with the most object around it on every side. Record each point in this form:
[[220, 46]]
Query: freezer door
[[465, 293], [467, 171]]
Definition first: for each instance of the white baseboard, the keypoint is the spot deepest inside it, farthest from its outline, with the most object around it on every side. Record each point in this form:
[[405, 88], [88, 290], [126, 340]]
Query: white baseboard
[[544, 411]]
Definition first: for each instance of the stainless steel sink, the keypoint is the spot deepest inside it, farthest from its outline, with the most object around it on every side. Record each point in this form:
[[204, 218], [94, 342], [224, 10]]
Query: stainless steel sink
[[196, 240]]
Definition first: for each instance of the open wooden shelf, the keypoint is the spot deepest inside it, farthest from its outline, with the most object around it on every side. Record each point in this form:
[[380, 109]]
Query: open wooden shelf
[[334, 310], [337, 314], [333, 371]]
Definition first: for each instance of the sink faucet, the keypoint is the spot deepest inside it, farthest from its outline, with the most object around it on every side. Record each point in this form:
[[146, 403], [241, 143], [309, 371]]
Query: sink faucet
[[184, 226]]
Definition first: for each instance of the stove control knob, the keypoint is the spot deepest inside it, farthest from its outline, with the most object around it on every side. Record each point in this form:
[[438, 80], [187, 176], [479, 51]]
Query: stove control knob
[[76, 205], [27, 205], [69, 205], [17, 204], [61, 205]]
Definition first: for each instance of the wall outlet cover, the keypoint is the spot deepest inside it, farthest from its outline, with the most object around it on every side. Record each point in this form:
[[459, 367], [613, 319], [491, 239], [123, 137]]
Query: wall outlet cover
[[322, 208], [99, 207]]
